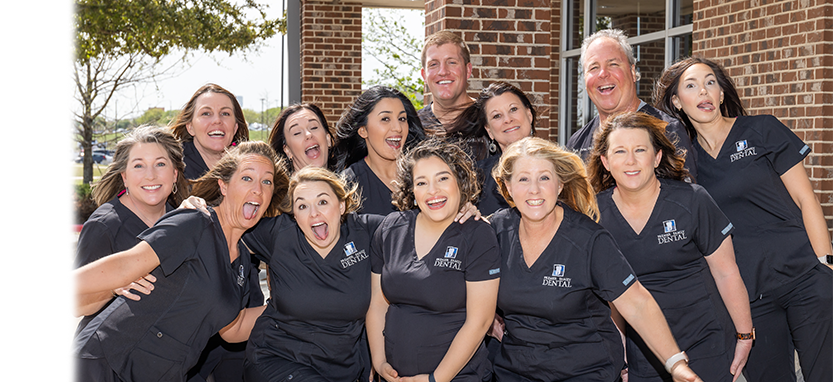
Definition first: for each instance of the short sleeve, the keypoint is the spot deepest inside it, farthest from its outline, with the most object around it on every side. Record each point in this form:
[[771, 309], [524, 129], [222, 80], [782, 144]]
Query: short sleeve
[[377, 259], [176, 237], [483, 259], [785, 149], [610, 271], [94, 242], [713, 227], [261, 238]]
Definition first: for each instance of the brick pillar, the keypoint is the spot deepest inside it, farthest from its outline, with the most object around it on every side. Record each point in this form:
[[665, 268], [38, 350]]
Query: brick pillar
[[331, 55], [509, 40], [780, 56], [555, 75]]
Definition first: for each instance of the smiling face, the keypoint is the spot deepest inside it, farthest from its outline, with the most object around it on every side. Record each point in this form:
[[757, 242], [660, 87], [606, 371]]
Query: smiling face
[[386, 130], [307, 140], [213, 126], [508, 119], [631, 159], [247, 194], [446, 74], [149, 175], [436, 191], [318, 211], [699, 94], [609, 77], [534, 188]]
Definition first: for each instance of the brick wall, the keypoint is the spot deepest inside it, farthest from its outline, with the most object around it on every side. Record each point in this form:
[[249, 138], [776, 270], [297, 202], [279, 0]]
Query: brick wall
[[780, 55], [509, 40], [551, 130], [331, 56]]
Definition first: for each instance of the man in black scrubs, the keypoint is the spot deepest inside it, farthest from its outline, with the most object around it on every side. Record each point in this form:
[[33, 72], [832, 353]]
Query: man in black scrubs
[[609, 69]]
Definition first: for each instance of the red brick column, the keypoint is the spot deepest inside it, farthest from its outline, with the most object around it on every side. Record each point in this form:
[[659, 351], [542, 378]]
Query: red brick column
[[509, 40], [331, 55], [555, 75], [781, 58]]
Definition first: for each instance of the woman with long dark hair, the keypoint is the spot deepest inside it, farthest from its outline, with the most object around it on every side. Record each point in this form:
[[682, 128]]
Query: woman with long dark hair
[[753, 167]]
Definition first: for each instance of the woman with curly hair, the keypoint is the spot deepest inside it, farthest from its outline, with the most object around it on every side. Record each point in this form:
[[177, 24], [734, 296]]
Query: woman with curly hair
[[434, 282]]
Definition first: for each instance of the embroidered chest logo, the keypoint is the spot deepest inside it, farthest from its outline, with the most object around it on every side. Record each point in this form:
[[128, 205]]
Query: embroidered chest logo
[[240, 277], [352, 256], [671, 234], [557, 279], [449, 259], [742, 150]]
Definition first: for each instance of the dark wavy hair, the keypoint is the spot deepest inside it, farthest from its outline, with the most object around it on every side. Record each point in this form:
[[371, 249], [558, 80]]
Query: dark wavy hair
[[456, 159], [208, 188], [472, 121], [667, 87], [277, 138], [351, 147], [186, 115], [670, 165]]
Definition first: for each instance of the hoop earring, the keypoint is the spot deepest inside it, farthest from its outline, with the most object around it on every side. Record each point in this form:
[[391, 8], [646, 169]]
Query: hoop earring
[[492, 147], [174, 190]]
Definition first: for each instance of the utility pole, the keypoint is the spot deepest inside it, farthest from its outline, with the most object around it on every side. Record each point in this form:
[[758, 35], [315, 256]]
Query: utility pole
[[262, 110]]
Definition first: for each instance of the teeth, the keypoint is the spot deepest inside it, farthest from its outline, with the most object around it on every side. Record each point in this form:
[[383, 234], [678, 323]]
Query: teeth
[[511, 129], [536, 202], [436, 201], [311, 147], [606, 87], [631, 172], [152, 187], [256, 204], [216, 133], [444, 82], [395, 139], [318, 224]]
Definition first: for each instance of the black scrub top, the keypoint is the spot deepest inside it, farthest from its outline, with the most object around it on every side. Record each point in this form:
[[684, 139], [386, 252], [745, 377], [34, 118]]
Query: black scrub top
[[195, 167], [376, 196], [198, 292], [315, 316], [428, 296], [582, 140], [490, 199], [771, 243], [668, 256], [558, 323], [111, 228]]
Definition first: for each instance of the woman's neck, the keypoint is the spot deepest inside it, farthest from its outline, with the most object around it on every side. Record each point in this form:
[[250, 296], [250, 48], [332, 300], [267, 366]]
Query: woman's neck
[[149, 214], [384, 169], [712, 135], [641, 198], [231, 233], [545, 228], [208, 156]]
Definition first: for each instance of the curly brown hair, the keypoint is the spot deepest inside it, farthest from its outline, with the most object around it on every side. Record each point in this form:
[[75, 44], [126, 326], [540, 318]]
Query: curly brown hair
[[208, 187], [453, 156], [670, 165], [577, 192]]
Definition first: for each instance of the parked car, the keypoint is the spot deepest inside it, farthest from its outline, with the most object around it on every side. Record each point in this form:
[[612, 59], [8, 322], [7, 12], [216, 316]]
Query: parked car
[[100, 156]]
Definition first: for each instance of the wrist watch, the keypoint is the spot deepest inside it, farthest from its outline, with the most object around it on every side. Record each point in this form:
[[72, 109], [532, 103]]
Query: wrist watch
[[747, 336]]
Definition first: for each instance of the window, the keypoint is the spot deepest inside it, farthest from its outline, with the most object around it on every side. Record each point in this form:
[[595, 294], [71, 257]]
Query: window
[[659, 32]]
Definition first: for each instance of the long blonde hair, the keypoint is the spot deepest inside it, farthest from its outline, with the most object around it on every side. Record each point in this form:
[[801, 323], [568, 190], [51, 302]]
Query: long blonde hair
[[577, 192]]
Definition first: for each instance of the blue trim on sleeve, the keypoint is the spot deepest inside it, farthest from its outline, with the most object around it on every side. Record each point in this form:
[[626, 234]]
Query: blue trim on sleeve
[[804, 149], [727, 229], [628, 279]]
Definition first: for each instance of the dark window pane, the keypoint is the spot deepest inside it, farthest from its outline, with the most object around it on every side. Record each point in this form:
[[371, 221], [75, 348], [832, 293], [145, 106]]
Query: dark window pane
[[635, 18]]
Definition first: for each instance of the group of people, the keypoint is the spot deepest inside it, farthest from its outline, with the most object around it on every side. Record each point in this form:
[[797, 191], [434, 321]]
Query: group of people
[[677, 241]]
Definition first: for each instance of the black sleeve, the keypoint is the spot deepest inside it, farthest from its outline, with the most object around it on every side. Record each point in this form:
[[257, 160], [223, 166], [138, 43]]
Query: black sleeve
[[713, 227], [176, 237], [261, 238], [785, 149], [94, 243], [611, 273], [483, 259], [377, 257]]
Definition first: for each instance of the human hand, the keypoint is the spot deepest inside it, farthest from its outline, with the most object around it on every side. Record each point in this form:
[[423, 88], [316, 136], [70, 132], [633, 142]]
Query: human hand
[[143, 285], [741, 356], [682, 373], [387, 373], [498, 326], [195, 203], [466, 212], [415, 378]]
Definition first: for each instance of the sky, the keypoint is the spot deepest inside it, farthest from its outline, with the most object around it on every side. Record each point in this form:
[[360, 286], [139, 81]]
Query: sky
[[36, 288]]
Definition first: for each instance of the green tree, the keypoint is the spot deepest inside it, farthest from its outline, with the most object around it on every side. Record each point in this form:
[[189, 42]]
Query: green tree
[[121, 43], [386, 39]]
